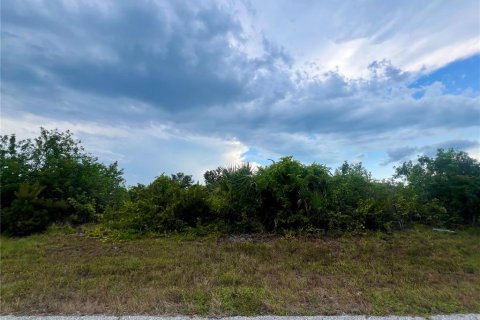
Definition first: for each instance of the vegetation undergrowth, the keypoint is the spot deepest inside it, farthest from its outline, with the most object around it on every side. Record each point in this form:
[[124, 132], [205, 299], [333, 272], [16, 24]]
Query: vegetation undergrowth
[[288, 238], [51, 179]]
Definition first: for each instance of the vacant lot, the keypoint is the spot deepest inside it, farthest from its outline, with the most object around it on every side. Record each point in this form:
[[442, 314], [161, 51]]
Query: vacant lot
[[414, 272]]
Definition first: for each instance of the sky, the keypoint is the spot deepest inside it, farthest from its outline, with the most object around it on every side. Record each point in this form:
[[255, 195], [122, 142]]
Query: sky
[[187, 86]]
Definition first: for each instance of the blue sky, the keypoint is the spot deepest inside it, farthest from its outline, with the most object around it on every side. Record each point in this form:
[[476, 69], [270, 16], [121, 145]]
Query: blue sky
[[168, 86]]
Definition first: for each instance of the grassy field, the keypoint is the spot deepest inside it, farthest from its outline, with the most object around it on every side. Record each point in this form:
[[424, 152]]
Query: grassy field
[[415, 272]]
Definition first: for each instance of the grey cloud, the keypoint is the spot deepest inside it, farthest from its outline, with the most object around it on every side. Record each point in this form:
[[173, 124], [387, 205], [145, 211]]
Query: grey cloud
[[172, 55], [183, 65], [179, 59], [337, 105], [399, 154], [404, 153], [359, 112], [430, 150]]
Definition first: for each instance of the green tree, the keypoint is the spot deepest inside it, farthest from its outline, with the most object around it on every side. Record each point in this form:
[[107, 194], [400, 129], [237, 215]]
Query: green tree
[[349, 198], [448, 183], [166, 204], [64, 172], [184, 180], [291, 193], [234, 197]]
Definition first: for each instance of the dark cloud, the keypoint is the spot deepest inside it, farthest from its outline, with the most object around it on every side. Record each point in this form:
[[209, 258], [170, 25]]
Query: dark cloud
[[196, 68], [173, 55], [431, 150], [187, 61], [404, 153], [354, 109], [399, 154]]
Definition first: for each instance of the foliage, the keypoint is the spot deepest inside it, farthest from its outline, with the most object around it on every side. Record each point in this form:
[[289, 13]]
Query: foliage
[[234, 198], [26, 213], [291, 194], [448, 185], [51, 178], [167, 204]]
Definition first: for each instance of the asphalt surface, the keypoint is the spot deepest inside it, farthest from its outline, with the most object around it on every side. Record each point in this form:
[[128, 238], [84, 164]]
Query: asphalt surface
[[345, 317]]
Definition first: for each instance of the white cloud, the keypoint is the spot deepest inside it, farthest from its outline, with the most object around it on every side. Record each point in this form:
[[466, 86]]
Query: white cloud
[[351, 34], [143, 151]]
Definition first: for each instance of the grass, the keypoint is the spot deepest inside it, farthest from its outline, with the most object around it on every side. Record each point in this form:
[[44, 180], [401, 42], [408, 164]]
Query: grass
[[418, 272]]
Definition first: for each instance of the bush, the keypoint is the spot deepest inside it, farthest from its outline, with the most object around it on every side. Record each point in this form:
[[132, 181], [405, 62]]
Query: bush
[[448, 185], [28, 212], [74, 186], [292, 196], [51, 179], [234, 198], [167, 204]]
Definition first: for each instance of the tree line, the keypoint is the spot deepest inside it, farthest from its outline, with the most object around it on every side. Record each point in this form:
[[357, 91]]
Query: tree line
[[52, 179]]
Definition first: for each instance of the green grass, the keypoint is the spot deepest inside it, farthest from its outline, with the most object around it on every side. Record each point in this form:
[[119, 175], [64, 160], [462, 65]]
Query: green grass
[[407, 273]]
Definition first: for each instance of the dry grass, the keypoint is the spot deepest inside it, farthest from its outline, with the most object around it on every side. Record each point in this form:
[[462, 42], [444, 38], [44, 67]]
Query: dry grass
[[415, 272]]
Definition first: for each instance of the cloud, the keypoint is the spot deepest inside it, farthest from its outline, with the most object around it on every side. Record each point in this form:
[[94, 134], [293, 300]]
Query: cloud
[[166, 86], [145, 152], [351, 35], [170, 54], [356, 108], [405, 153]]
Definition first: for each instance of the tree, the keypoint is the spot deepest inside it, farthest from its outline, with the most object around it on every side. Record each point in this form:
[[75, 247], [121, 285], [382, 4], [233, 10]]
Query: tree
[[234, 197], [63, 172], [286, 188], [184, 180], [451, 179]]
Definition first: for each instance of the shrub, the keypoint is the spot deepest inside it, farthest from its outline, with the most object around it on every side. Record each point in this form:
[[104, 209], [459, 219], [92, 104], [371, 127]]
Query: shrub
[[51, 179], [234, 198], [167, 204], [74, 185], [448, 185], [28, 212]]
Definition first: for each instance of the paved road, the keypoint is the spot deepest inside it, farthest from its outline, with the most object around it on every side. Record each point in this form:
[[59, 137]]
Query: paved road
[[99, 317]]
